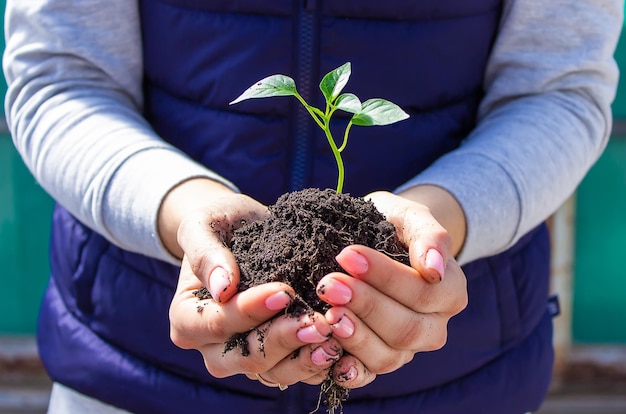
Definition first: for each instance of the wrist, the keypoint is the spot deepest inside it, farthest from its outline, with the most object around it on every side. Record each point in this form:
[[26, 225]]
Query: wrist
[[185, 197]]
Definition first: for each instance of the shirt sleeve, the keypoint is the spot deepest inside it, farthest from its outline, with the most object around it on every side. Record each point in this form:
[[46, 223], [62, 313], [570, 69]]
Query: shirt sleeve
[[74, 106], [544, 120]]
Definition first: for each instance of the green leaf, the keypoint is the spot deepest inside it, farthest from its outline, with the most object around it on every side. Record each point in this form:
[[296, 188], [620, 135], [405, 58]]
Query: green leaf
[[333, 83], [378, 112], [275, 85], [348, 102]]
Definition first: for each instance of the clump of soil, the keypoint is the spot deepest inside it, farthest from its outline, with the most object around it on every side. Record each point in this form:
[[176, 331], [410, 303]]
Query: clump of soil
[[297, 244]]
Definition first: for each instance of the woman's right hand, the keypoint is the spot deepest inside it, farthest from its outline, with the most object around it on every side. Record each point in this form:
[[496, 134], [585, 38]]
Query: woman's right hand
[[282, 349]]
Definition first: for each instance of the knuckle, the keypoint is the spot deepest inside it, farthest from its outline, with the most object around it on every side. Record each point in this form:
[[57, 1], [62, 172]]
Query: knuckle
[[461, 304], [425, 334], [365, 309], [410, 334], [437, 343], [183, 337], [408, 357], [437, 339], [458, 303], [388, 363], [251, 364], [216, 371], [217, 328], [427, 300], [275, 340], [200, 262], [360, 342], [180, 340], [317, 378]]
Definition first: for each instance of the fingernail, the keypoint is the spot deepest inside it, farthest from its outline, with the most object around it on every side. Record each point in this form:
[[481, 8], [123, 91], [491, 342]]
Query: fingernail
[[345, 375], [352, 261], [344, 328], [434, 261], [218, 283], [277, 301], [311, 335], [323, 357], [335, 292]]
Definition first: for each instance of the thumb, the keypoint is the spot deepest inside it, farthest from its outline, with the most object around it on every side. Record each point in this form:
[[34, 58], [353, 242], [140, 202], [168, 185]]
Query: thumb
[[428, 241], [208, 257]]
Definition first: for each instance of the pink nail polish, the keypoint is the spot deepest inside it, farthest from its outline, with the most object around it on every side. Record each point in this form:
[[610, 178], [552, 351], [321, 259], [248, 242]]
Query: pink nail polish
[[344, 328], [347, 375], [310, 334], [434, 261], [335, 292], [277, 301], [218, 283], [323, 357], [353, 262]]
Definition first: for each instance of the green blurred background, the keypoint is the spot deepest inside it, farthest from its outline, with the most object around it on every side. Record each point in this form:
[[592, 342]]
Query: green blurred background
[[599, 296]]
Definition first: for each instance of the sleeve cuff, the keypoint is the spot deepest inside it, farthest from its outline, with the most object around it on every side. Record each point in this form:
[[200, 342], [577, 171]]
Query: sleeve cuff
[[135, 193], [475, 181]]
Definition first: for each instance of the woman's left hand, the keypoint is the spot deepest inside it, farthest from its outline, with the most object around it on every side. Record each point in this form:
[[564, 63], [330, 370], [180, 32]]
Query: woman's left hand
[[384, 311]]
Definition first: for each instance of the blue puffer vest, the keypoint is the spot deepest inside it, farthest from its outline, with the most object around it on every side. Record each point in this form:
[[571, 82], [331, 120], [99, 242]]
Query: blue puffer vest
[[104, 322]]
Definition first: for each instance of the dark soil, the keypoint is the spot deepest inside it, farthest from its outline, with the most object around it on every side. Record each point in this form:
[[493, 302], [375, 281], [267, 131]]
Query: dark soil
[[297, 244]]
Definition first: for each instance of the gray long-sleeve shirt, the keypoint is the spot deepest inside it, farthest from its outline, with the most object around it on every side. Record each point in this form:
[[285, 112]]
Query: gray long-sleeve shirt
[[73, 105]]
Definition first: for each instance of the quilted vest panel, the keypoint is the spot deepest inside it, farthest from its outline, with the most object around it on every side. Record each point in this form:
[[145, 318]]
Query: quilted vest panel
[[429, 59]]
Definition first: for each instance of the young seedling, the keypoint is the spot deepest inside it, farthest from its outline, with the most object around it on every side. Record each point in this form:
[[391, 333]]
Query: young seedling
[[369, 113]]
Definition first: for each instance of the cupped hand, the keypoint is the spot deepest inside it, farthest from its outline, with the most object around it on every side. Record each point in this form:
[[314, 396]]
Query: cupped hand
[[196, 221], [384, 312], [280, 348]]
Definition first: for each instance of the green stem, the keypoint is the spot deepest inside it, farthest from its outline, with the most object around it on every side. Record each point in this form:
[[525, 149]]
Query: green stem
[[338, 159], [345, 137], [323, 121], [317, 115]]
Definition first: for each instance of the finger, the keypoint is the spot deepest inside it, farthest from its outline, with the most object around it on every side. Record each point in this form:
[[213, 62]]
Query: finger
[[402, 283], [208, 257], [350, 373], [359, 340], [317, 378], [265, 346], [195, 322], [429, 242], [382, 324], [309, 364]]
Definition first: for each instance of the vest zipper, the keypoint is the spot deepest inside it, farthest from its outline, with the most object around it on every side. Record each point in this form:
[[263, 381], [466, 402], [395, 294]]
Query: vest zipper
[[305, 71]]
